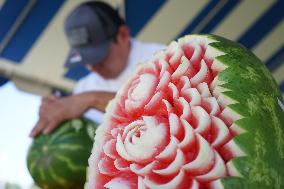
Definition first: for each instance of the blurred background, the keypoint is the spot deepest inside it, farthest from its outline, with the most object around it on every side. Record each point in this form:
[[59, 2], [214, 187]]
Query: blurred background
[[33, 49]]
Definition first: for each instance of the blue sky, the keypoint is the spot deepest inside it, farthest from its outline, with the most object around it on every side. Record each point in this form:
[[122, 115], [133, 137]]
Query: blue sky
[[18, 114]]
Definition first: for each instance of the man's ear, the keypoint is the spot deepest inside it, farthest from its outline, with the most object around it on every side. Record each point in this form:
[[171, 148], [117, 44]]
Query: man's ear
[[123, 33]]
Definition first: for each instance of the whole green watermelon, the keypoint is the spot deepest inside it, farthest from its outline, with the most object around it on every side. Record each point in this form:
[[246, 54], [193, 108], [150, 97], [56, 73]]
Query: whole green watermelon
[[59, 160]]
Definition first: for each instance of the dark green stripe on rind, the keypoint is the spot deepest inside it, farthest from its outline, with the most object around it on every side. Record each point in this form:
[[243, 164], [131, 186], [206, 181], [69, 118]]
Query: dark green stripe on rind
[[257, 94], [59, 160]]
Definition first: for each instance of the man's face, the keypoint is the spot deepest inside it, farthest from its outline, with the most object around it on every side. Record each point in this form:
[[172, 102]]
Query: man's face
[[114, 63], [109, 67]]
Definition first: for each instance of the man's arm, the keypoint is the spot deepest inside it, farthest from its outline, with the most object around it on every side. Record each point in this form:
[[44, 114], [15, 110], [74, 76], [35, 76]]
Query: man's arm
[[54, 110]]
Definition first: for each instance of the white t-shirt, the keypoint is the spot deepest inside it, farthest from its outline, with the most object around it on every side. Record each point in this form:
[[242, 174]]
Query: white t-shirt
[[139, 53]]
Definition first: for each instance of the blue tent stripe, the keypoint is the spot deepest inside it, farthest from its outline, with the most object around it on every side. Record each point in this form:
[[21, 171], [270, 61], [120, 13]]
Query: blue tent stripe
[[30, 30], [276, 60], [3, 80], [220, 15], [199, 18], [13, 9], [138, 13], [282, 87], [76, 73], [264, 25]]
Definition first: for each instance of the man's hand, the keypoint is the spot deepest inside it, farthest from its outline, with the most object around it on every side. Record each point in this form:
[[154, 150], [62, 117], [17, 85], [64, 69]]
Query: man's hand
[[54, 110]]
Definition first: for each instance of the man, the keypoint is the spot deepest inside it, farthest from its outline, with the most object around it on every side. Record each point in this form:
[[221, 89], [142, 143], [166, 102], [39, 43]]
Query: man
[[101, 41]]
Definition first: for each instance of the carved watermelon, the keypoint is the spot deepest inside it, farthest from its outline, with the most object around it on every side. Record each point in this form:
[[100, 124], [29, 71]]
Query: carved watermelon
[[203, 114], [59, 160]]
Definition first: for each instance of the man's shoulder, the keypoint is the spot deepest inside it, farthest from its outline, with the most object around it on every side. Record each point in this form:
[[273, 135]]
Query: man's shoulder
[[89, 77], [142, 51], [88, 82], [147, 46]]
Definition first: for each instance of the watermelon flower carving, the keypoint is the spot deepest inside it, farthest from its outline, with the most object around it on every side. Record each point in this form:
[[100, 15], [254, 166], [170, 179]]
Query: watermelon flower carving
[[172, 126]]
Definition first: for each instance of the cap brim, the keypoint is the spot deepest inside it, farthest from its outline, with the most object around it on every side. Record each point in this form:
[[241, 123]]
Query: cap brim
[[87, 55]]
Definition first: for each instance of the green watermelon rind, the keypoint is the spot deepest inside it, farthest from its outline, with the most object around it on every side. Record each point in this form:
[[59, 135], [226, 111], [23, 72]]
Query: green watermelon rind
[[39, 160], [256, 92]]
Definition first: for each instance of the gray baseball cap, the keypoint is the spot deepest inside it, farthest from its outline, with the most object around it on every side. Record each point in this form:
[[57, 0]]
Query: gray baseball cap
[[90, 29]]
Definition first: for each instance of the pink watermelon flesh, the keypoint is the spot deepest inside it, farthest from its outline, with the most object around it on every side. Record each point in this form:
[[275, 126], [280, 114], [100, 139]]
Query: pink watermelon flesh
[[168, 127]]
